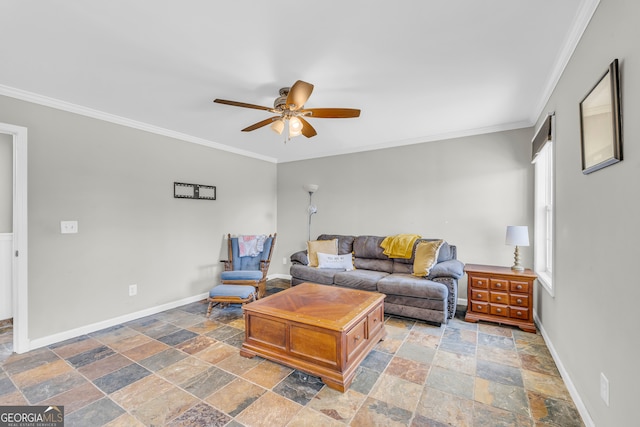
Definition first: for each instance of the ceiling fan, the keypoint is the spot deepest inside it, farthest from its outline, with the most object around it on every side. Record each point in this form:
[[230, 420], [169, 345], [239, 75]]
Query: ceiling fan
[[289, 107]]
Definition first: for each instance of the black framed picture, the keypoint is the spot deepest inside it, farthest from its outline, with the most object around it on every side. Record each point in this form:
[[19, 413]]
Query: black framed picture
[[182, 190], [600, 123]]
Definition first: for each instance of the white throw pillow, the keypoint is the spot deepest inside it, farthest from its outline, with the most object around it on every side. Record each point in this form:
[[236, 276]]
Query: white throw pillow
[[335, 261]]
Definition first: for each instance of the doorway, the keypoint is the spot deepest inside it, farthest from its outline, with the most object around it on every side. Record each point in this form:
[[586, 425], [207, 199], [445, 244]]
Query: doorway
[[18, 251]]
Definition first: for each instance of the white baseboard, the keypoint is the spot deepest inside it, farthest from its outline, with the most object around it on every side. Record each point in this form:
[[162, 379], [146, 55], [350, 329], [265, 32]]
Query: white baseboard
[[462, 301], [582, 409], [87, 329], [279, 276]]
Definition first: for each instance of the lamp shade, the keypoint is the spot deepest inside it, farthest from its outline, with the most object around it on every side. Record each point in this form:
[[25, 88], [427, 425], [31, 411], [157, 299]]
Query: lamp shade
[[295, 126], [517, 235], [278, 126]]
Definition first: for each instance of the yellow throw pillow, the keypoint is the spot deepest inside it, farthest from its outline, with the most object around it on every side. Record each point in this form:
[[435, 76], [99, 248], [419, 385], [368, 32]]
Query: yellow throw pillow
[[426, 257], [324, 246]]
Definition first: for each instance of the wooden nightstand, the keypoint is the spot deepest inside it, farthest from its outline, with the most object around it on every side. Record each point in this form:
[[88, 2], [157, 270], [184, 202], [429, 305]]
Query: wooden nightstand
[[500, 294]]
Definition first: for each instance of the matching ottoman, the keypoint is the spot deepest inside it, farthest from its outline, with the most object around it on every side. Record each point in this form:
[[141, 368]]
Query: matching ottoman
[[230, 294]]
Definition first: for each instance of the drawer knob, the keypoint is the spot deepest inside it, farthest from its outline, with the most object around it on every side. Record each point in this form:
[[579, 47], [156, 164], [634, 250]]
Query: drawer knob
[[479, 307], [499, 310], [478, 295], [480, 282], [375, 319], [519, 313], [498, 285], [499, 298], [357, 337], [519, 287], [519, 301]]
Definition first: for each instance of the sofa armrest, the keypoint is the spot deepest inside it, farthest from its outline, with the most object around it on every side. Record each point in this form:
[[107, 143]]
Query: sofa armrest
[[300, 257], [452, 268]]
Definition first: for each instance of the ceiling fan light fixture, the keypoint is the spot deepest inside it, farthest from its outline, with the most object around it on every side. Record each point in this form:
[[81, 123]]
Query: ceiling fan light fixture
[[277, 126], [295, 127]]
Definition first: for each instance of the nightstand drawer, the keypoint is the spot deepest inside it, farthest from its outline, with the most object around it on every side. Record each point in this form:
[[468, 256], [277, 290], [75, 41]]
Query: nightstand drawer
[[519, 300], [519, 313], [499, 310], [519, 286], [480, 282], [499, 297], [499, 284], [479, 307], [480, 295]]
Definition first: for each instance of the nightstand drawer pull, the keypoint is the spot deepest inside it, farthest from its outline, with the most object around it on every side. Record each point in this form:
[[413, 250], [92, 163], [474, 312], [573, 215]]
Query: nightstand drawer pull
[[499, 310], [519, 313], [519, 287], [498, 285], [519, 300], [499, 298]]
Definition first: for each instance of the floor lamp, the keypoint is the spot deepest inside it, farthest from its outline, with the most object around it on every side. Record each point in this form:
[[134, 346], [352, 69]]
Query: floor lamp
[[310, 188]]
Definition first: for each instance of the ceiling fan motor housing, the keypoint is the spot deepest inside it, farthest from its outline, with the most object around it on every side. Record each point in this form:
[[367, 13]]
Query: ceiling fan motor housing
[[281, 101]]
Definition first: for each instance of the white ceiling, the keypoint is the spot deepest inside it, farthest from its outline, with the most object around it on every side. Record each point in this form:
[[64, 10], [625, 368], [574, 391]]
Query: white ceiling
[[419, 70]]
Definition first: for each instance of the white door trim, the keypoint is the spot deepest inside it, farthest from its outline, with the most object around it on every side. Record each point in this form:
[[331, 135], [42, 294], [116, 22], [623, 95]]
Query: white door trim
[[20, 252]]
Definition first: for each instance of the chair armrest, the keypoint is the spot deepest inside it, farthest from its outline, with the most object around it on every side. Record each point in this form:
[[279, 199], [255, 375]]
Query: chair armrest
[[227, 265], [452, 268]]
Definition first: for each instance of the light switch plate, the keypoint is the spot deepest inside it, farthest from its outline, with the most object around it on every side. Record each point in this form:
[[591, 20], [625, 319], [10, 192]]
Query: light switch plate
[[68, 227]]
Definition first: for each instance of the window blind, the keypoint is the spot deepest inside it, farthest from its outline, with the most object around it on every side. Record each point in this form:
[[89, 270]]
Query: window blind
[[542, 137]]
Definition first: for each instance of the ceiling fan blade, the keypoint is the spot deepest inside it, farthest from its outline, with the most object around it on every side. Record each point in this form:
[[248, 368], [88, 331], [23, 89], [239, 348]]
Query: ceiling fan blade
[[243, 104], [298, 95], [260, 124], [331, 113], [307, 129]]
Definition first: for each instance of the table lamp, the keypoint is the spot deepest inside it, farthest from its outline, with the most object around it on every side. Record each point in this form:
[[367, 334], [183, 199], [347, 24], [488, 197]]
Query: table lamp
[[517, 235]]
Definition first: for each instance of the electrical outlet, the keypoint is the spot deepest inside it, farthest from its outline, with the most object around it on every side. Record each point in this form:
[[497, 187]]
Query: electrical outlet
[[68, 227], [604, 388], [284, 260], [133, 290]]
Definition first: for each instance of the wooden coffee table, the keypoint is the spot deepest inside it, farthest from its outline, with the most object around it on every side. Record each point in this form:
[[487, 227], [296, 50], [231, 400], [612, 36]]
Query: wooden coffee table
[[325, 331]]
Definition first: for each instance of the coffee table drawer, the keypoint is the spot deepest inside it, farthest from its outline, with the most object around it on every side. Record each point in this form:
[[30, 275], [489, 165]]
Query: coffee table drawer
[[376, 321], [356, 339]]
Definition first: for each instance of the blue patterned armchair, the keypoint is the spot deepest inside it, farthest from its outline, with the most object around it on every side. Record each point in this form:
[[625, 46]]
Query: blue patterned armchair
[[248, 269]]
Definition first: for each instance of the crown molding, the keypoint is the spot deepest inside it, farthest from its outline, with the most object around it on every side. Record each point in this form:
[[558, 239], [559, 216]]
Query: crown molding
[[123, 121]]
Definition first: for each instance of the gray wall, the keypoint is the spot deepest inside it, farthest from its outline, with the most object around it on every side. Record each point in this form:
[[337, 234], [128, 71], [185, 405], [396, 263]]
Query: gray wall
[[464, 190], [6, 183], [117, 182], [591, 320]]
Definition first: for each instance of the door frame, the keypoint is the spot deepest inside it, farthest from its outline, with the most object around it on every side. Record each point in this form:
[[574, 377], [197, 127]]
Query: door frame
[[19, 282]]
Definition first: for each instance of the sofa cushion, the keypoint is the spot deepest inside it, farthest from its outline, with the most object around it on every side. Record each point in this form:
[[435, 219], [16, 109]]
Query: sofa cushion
[[412, 286], [345, 243], [385, 265], [323, 276], [369, 247], [365, 280], [324, 246]]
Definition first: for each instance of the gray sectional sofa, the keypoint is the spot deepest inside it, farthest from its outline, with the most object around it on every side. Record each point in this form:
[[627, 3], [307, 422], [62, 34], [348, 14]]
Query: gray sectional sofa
[[432, 299]]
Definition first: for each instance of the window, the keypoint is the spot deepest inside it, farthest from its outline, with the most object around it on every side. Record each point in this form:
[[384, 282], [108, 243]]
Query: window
[[544, 205]]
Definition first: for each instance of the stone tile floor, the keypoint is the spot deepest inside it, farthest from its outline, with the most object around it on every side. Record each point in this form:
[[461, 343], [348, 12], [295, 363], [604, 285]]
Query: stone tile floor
[[177, 368]]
